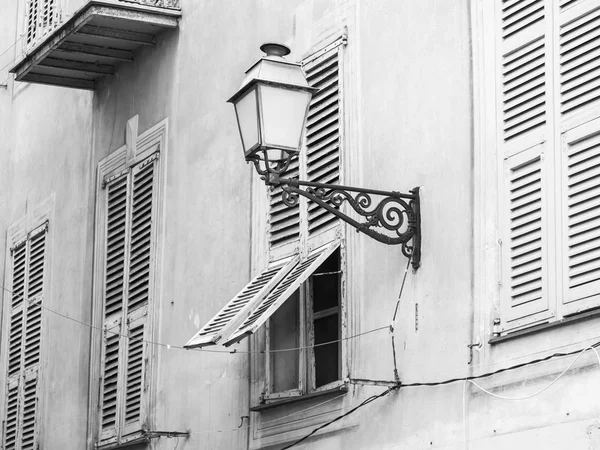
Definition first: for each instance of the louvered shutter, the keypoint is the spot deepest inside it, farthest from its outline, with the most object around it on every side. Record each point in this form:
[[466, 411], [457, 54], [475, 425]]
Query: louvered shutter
[[138, 293], [237, 309], [33, 319], [299, 273], [29, 410], [322, 134], [581, 209], [525, 241], [117, 204]]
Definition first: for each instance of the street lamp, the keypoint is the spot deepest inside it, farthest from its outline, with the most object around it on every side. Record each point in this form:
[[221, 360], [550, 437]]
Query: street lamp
[[271, 108]]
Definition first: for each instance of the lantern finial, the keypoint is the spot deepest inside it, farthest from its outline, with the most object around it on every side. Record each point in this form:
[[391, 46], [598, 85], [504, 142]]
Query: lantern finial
[[273, 49]]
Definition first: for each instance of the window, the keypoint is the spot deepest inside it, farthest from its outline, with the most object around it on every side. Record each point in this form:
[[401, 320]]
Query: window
[[298, 296], [127, 254], [309, 318], [28, 258], [42, 16], [546, 123]]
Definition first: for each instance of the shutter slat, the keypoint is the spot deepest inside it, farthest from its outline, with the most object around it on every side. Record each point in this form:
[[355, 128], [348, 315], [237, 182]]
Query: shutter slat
[[18, 278], [519, 15], [14, 343], [280, 212]]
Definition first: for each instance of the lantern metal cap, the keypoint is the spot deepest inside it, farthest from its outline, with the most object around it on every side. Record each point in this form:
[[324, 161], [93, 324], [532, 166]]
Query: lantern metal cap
[[274, 69]]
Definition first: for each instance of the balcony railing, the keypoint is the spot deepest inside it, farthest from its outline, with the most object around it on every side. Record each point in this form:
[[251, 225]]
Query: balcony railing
[[77, 51]]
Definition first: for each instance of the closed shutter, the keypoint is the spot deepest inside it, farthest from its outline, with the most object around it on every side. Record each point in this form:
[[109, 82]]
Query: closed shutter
[[581, 209], [299, 273], [322, 134], [236, 310], [525, 242], [128, 280], [25, 341], [526, 159]]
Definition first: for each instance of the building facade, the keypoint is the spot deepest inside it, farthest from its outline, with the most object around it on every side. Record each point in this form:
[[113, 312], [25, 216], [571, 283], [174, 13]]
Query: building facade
[[134, 232]]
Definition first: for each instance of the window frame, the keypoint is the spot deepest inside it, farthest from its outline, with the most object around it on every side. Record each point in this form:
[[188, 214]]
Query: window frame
[[19, 234], [137, 151], [306, 357], [488, 252]]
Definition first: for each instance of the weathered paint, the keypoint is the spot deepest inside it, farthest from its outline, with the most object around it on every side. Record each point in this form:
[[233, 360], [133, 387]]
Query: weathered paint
[[408, 94]]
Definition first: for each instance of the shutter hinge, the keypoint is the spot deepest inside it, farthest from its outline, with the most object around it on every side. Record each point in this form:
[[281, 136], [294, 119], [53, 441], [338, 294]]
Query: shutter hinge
[[342, 40], [41, 229], [153, 157]]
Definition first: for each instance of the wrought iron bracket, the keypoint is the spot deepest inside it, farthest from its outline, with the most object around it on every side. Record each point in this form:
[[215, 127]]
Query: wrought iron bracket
[[396, 212]]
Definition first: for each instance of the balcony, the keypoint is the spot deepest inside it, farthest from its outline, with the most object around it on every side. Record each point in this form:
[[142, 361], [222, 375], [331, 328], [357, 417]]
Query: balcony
[[93, 42]]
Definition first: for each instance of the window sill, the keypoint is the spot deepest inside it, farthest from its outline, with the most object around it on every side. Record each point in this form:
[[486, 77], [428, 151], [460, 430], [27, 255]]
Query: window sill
[[545, 326], [119, 445], [343, 388]]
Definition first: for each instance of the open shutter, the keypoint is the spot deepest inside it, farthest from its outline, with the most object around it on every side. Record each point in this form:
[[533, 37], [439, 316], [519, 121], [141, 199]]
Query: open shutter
[[299, 273], [114, 292], [237, 309], [581, 208], [322, 134], [525, 240]]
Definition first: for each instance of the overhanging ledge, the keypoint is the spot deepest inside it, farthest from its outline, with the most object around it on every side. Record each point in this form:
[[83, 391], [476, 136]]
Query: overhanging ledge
[[93, 42]]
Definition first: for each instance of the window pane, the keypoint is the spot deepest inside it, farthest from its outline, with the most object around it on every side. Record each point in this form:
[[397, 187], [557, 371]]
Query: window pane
[[284, 333], [327, 356], [326, 284]]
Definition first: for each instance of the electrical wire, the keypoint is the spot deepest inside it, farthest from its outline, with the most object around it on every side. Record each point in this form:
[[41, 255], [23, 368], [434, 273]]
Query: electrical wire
[[393, 324], [179, 347], [364, 403]]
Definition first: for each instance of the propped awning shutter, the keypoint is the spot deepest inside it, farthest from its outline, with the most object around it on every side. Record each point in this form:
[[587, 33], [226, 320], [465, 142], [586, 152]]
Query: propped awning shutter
[[581, 208], [262, 310], [525, 239], [238, 308], [322, 135]]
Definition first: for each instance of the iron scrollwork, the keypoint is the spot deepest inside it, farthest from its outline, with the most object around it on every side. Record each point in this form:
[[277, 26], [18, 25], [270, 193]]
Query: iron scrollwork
[[396, 212]]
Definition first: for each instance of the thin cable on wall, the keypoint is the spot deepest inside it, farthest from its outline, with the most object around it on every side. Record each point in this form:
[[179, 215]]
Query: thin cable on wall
[[179, 347]]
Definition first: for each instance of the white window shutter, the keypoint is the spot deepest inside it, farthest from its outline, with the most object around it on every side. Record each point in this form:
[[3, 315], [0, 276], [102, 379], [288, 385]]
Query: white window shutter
[[33, 319], [117, 212], [237, 309], [29, 411], [322, 133], [526, 231], [32, 20], [581, 210], [298, 274]]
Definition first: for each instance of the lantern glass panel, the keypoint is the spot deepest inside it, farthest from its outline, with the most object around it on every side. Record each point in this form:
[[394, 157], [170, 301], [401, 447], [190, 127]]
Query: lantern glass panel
[[283, 113], [247, 115]]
